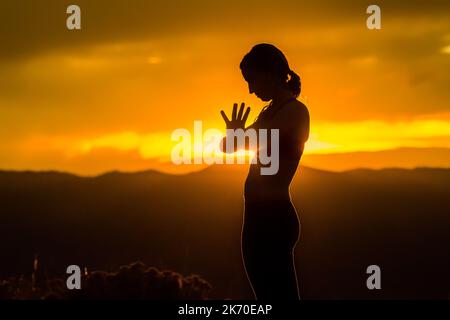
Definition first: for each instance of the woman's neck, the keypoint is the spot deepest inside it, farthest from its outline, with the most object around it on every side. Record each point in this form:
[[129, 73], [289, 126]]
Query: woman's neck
[[281, 96]]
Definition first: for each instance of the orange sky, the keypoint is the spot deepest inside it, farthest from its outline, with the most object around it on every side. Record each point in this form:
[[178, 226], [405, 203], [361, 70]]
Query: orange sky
[[110, 95]]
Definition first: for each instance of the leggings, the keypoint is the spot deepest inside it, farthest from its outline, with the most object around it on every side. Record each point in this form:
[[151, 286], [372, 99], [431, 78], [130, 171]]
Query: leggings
[[270, 232]]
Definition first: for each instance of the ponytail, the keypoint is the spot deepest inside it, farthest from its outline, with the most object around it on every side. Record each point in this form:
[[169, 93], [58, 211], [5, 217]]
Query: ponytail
[[294, 83]]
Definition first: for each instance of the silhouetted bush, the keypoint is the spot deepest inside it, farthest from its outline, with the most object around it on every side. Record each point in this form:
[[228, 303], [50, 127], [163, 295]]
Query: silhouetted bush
[[134, 281]]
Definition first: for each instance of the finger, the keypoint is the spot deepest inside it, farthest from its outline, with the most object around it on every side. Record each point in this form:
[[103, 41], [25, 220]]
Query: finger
[[233, 116], [246, 114], [224, 116], [241, 111]]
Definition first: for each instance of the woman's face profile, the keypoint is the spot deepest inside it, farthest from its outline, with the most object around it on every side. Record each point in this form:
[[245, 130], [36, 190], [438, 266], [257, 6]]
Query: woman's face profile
[[260, 83]]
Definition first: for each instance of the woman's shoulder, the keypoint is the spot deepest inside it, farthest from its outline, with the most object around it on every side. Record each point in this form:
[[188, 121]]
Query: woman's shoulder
[[293, 116], [295, 109]]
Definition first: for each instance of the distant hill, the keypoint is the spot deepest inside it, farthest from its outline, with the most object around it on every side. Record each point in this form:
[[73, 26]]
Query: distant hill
[[406, 158], [395, 218], [101, 160]]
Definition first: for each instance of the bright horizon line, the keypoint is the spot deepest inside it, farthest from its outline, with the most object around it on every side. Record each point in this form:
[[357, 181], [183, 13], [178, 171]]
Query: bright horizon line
[[201, 167], [192, 172]]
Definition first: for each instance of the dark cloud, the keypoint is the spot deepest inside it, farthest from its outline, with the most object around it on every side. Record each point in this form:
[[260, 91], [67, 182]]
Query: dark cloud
[[28, 27]]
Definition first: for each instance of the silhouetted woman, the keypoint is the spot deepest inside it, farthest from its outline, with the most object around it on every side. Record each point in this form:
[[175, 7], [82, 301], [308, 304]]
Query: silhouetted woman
[[271, 226]]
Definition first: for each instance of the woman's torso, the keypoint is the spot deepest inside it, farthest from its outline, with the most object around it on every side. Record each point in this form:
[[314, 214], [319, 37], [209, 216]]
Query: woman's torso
[[260, 188]]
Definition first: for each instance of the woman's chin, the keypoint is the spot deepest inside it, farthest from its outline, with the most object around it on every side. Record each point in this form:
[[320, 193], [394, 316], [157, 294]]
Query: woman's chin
[[265, 99]]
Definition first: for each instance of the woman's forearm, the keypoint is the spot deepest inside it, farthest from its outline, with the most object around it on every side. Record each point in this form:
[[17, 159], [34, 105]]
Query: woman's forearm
[[239, 139]]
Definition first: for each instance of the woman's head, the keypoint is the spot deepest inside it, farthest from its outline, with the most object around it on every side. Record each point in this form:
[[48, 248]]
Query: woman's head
[[266, 70]]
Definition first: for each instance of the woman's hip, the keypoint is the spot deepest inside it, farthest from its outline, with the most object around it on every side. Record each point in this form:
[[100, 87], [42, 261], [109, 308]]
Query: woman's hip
[[271, 225]]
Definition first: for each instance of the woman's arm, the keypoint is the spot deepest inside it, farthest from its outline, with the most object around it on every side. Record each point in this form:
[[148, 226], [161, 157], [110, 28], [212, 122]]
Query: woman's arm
[[293, 124], [293, 121]]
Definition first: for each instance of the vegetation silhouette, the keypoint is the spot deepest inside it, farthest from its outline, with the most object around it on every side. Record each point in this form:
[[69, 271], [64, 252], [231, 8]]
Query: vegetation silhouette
[[134, 281]]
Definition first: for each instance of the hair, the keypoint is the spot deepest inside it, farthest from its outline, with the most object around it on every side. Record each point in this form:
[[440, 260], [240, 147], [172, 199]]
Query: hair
[[268, 58]]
